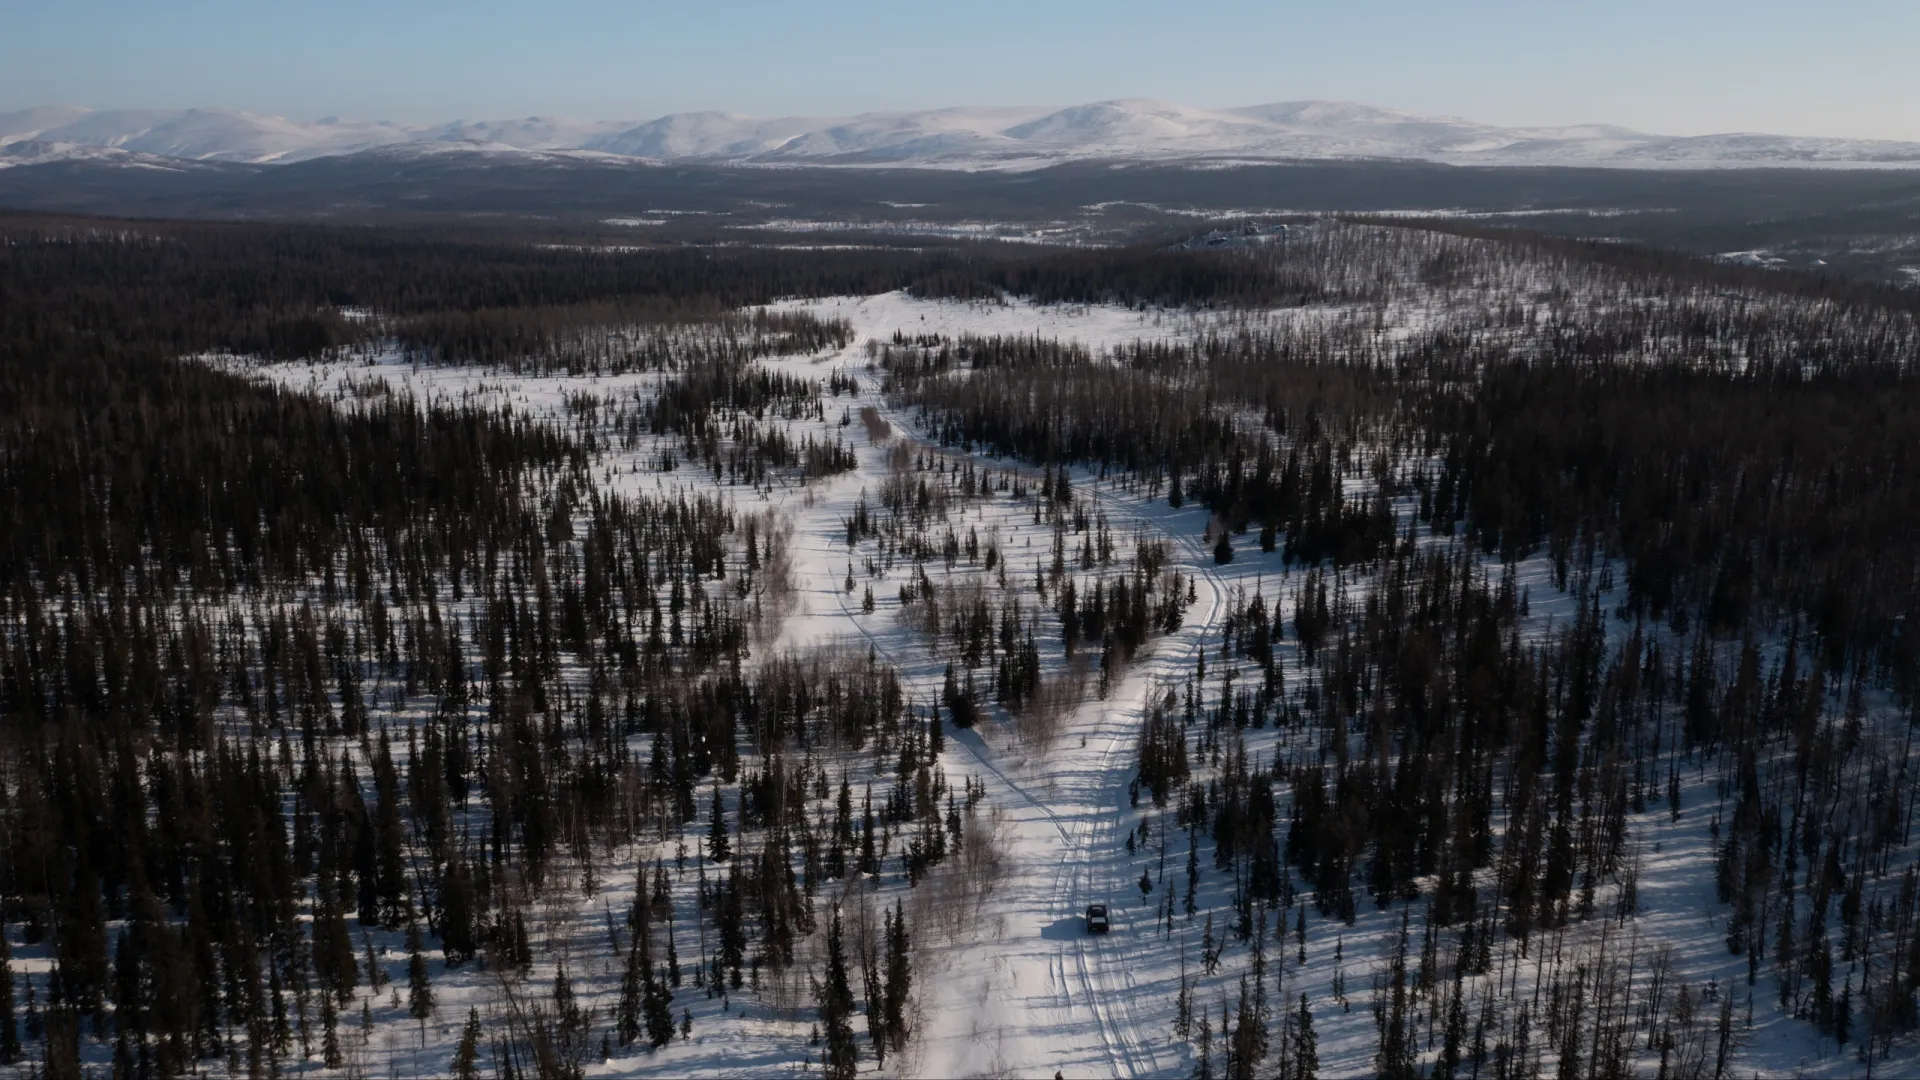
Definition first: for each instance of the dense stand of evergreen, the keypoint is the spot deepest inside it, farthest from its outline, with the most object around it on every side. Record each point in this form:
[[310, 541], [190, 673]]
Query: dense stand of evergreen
[[1749, 456], [281, 679], [280, 676], [1722, 483]]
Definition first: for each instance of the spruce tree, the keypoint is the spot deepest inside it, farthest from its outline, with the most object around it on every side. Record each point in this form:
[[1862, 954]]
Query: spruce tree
[[390, 837], [869, 859], [419, 990], [1454, 1038], [466, 1059], [458, 938], [875, 999], [330, 1020], [899, 976], [840, 1060], [1306, 1047], [1248, 1047], [1203, 1050], [633, 987], [719, 845], [658, 1007]]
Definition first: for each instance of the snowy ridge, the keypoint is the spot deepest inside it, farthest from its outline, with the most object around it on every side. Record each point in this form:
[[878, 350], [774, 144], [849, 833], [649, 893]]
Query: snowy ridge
[[960, 138]]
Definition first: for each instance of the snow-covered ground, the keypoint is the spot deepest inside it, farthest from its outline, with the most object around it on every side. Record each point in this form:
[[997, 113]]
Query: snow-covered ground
[[1010, 983], [960, 138]]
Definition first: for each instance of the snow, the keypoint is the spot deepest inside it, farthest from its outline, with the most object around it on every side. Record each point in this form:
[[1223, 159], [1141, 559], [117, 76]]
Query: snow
[[1012, 986], [1051, 233], [198, 134], [962, 137], [1095, 325], [1762, 259], [1035, 994]]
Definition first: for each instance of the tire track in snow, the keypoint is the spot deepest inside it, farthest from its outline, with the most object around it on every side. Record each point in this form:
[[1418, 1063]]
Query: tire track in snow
[[1109, 955], [1067, 880], [1104, 982], [1124, 1041]]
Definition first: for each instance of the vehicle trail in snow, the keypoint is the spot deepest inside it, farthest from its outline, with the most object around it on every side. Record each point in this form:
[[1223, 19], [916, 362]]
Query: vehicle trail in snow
[[1048, 995], [1104, 983]]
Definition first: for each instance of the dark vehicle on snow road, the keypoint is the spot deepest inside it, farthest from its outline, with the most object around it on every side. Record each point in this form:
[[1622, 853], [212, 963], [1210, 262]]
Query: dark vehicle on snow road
[[1097, 922]]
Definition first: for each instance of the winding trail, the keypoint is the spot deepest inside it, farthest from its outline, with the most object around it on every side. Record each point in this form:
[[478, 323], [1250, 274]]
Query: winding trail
[[1032, 992], [1109, 977], [1091, 974]]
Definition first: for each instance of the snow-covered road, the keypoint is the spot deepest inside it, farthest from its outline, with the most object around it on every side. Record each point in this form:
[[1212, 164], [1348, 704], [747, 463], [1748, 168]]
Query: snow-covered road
[[1029, 991]]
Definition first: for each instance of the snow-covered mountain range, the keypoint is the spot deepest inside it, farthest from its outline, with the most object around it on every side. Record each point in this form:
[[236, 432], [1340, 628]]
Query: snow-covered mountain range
[[963, 138]]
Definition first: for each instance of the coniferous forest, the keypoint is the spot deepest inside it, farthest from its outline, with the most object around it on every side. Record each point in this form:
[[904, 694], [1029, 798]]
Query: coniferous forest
[[1450, 651]]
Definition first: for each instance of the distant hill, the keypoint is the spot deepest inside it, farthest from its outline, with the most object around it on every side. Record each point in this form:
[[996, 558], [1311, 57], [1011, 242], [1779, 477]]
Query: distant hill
[[953, 138]]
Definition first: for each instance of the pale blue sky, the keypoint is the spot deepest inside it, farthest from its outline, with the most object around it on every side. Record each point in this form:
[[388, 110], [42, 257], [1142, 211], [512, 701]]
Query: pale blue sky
[[1849, 67]]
